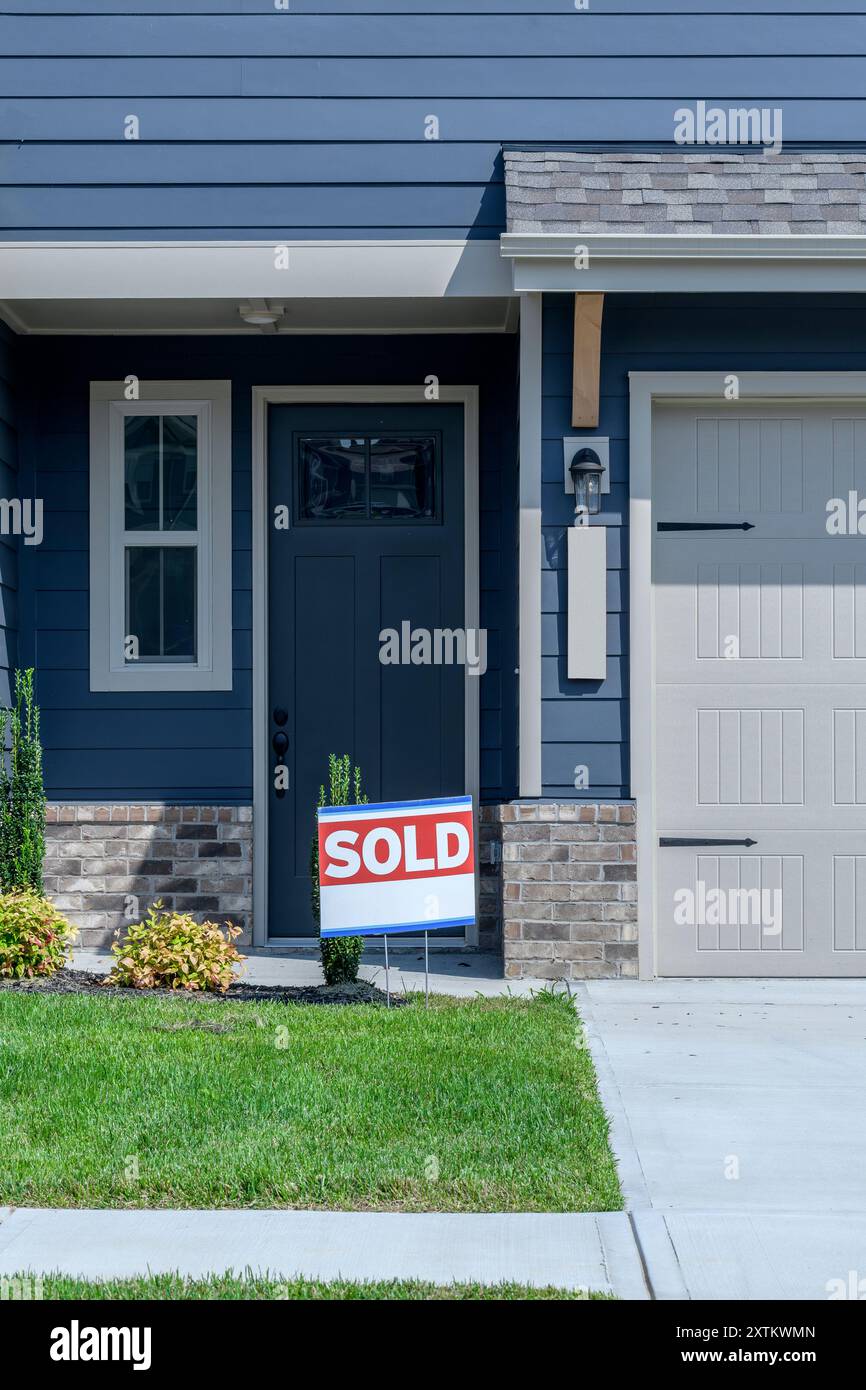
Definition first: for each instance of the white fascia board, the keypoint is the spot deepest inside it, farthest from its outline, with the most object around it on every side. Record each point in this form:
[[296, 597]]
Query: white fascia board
[[646, 263], [216, 270]]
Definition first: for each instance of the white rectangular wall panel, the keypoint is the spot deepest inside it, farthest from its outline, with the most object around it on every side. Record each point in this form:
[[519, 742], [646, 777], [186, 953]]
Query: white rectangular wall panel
[[587, 603]]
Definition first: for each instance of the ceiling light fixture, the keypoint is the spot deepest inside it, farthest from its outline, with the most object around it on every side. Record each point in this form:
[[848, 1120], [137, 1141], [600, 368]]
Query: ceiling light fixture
[[260, 314]]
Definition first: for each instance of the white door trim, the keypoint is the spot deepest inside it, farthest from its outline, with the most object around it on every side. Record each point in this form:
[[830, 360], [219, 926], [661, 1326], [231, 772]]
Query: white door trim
[[644, 389], [263, 396]]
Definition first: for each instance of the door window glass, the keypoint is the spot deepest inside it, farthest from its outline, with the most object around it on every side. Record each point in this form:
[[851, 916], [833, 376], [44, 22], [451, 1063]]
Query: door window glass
[[333, 478], [372, 478], [402, 478]]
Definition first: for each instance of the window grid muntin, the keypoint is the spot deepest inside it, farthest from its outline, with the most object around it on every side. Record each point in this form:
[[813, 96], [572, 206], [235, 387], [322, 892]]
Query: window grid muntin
[[158, 539]]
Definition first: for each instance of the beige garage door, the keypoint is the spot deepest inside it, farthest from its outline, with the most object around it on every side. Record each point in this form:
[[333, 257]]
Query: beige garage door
[[760, 690]]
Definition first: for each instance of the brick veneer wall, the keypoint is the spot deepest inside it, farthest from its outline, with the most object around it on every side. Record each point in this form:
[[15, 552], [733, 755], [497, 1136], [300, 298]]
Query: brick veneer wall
[[196, 859], [568, 888], [557, 881]]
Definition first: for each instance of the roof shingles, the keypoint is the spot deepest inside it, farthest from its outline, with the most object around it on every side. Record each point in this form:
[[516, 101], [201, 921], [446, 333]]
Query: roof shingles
[[816, 193]]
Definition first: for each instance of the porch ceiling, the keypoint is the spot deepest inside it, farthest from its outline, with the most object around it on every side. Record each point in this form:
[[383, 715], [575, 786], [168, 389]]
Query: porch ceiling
[[222, 316]]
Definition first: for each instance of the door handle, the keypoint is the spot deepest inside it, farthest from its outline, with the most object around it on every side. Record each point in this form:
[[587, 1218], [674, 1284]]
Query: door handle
[[280, 745], [665, 842]]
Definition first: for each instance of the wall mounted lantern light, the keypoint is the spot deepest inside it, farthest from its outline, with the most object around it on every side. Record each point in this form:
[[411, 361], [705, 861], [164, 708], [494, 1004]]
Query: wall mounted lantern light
[[586, 469]]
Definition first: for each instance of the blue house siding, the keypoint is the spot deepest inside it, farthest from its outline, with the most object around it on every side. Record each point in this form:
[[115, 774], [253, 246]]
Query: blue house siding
[[588, 722], [310, 123], [198, 747], [9, 488]]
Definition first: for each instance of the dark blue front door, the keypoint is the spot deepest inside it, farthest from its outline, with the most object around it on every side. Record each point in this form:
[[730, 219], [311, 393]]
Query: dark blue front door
[[366, 537]]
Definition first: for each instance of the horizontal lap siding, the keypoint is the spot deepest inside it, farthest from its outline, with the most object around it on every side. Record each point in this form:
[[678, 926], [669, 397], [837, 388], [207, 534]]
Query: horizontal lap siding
[[310, 122], [370, 35], [194, 746], [587, 722], [434, 7]]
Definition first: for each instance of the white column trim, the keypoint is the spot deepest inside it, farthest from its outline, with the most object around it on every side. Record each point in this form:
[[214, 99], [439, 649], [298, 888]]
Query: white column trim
[[529, 580]]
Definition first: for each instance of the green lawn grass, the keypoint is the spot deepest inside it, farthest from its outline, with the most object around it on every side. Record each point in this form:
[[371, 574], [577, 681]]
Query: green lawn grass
[[474, 1105], [251, 1287]]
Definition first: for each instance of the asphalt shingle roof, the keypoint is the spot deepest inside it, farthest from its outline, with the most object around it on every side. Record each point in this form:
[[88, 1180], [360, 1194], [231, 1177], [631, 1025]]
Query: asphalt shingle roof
[[557, 191]]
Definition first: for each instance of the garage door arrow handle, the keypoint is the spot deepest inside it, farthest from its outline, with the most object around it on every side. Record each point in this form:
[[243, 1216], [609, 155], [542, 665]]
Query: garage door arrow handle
[[668, 843], [705, 526]]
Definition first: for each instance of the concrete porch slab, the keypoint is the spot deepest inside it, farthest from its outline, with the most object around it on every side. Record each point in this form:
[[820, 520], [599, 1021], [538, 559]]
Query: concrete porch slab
[[461, 973]]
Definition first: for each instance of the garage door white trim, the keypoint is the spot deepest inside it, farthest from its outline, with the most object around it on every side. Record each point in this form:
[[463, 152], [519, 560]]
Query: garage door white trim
[[645, 388]]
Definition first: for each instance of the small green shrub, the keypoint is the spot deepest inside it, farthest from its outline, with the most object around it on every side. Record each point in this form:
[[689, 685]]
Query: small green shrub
[[35, 940], [22, 796], [341, 955], [169, 950]]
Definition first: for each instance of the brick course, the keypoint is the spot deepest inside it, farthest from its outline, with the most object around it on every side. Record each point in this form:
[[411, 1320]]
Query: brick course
[[564, 879], [196, 859]]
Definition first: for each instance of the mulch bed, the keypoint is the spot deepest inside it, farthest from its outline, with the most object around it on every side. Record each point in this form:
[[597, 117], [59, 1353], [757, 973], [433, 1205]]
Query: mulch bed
[[89, 982]]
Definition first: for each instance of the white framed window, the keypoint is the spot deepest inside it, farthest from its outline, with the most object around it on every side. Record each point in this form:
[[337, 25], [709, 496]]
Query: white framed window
[[160, 536]]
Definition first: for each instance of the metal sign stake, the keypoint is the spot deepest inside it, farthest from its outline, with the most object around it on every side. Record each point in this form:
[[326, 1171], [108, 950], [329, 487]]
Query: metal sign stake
[[387, 978], [426, 972]]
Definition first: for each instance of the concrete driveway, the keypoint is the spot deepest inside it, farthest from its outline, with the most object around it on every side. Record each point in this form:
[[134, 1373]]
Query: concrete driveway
[[738, 1114]]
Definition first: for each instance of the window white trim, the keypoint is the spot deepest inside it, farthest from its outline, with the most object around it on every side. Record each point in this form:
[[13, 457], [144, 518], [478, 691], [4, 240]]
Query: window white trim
[[645, 388], [210, 401]]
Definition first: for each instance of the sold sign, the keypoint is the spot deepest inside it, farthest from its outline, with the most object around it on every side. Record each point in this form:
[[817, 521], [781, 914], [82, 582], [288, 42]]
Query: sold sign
[[398, 866]]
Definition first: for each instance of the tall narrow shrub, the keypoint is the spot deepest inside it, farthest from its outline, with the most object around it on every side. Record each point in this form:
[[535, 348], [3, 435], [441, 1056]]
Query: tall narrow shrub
[[22, 797], [341, 955]]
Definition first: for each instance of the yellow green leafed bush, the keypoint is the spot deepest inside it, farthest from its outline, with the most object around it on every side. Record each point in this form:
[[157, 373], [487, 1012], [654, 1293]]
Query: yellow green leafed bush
[[169, 950], [35, 939]]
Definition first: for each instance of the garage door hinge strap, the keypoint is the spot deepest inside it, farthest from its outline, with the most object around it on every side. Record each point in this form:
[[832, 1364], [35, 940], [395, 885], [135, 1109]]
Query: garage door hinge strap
[[666, 843], [705, 526]]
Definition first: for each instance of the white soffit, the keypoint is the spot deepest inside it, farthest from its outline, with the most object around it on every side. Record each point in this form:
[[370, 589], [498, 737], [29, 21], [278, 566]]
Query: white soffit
[[252, 270], [696, 263]]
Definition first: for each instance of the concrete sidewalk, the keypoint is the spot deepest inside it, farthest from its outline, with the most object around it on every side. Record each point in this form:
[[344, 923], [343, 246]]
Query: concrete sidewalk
[[594, 1252]]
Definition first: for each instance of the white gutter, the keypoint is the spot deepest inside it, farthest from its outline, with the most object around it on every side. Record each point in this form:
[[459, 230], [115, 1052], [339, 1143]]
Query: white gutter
[[690, 262]]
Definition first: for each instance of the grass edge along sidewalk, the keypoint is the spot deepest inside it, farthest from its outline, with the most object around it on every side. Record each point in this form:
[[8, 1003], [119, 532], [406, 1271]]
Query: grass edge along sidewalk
[[251, 1287]]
